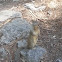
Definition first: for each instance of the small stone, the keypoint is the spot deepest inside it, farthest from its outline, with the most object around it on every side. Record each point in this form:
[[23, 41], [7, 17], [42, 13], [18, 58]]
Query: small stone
[[15, 0], [58, 60], [33, 55], [21, 43]]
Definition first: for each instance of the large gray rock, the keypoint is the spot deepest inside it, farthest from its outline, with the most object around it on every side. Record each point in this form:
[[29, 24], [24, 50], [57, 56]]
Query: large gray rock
[[33, 55], [16, 29]]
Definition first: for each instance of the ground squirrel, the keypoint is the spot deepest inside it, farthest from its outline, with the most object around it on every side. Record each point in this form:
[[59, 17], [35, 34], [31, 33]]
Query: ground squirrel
[[33, 35]]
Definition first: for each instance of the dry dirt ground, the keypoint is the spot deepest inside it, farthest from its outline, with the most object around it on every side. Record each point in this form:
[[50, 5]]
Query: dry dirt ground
[[51, 28]]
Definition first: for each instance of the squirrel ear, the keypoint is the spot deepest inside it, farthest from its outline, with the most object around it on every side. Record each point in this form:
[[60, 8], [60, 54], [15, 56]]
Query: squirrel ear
[[35, 22]]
